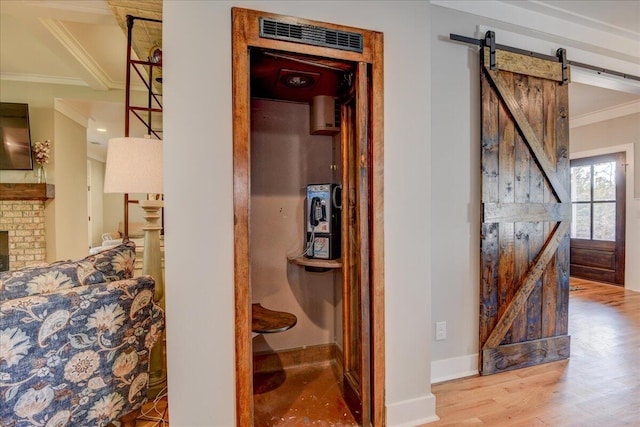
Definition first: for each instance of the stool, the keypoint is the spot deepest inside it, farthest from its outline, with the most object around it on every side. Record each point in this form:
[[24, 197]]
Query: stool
[[265, 321]]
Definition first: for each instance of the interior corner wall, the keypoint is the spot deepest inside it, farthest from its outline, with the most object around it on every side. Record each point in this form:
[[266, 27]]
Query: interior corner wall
[[69, 167], [199, 202]]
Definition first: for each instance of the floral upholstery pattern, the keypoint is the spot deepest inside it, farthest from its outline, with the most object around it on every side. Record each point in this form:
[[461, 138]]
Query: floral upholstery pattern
[[75, 341], [115, 263]]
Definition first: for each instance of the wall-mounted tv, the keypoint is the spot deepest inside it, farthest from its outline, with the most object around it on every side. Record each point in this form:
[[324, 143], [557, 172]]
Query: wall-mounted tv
[[15, 137]]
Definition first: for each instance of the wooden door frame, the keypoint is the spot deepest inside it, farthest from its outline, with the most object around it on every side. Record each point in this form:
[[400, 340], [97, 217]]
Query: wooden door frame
[[245, 27]]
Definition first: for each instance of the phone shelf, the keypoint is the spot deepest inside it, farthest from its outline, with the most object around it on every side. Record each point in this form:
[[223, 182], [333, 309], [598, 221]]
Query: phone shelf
[[315, 262]]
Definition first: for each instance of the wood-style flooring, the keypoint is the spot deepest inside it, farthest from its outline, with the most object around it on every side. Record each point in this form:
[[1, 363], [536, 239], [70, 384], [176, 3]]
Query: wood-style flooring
[[301, 396], [599, 386]]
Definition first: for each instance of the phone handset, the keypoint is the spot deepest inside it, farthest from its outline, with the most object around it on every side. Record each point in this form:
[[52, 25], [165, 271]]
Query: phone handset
[[337, 192], [318, 211]]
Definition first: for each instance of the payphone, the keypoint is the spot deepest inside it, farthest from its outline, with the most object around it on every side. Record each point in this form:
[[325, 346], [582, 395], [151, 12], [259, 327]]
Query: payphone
[[323, 222]]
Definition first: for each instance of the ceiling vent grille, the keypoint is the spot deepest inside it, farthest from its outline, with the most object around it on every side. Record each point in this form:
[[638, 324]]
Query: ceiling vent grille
[[309, 34]]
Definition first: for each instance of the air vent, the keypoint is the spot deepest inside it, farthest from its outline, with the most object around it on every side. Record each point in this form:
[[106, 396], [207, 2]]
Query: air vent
[[309, 34]]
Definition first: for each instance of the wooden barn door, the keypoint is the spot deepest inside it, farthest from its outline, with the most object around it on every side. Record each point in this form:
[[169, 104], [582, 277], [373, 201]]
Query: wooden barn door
[[526, 204], [355, 251]]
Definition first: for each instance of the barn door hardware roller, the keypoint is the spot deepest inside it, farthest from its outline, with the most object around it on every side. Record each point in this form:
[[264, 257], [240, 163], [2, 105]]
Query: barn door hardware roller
[[489, 41]]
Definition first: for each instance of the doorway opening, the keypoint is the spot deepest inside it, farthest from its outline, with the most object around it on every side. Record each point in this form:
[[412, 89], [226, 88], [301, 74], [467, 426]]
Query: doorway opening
[[295, 143], [307, 122], [598, 192]]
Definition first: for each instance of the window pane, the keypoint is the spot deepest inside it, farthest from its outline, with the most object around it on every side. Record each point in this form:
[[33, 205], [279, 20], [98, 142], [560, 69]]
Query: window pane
[[604, 185], [604, 221], [581, 183], [581, 221]]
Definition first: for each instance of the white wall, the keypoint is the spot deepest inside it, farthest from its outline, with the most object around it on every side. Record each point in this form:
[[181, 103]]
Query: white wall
[[70, 203], [609, 133], [199, 201], [97, 202], [455, 201]]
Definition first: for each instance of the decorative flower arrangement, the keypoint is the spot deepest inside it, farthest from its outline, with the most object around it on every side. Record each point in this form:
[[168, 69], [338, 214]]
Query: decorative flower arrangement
[[41, 151]]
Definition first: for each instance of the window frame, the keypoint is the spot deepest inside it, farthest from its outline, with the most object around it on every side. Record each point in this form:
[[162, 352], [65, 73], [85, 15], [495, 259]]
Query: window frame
[[591, 161]]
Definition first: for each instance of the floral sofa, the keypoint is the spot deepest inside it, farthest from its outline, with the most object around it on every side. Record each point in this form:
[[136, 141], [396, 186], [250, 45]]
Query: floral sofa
[[75, 340]]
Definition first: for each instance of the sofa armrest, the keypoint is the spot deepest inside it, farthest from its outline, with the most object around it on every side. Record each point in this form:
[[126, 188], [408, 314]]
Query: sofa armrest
[[114, 263], [79, 355]]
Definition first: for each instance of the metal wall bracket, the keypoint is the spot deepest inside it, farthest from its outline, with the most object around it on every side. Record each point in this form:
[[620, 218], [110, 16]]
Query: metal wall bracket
[[562, 55], [490, 41]]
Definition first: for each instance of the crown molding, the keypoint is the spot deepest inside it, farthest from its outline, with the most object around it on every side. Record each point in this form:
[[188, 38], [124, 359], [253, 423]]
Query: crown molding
[[86, 11], [41, 78], [67, 81], [568, 15], [85, 6], [512, 16], [98, 79], [605, 114]]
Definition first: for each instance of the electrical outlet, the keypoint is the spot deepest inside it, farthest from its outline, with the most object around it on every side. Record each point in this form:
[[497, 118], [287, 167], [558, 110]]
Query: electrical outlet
[[441, 331]]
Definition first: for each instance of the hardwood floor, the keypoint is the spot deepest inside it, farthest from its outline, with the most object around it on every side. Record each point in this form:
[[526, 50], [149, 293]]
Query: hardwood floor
[[598, 386]]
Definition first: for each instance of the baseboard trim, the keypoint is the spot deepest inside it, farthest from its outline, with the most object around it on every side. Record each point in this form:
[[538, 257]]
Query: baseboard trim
[[311, 355], [453, 368], [412, 412]]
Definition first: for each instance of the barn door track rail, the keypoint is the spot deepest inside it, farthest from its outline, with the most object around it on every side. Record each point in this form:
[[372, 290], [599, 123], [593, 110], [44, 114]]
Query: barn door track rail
[[489, 41]]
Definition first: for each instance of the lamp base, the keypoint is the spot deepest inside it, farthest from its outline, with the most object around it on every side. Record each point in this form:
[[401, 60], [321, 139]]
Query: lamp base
[[157, 377], [152, 266]]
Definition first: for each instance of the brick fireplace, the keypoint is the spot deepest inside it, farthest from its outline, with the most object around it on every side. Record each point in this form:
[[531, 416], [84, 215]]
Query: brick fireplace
[[22, 224]]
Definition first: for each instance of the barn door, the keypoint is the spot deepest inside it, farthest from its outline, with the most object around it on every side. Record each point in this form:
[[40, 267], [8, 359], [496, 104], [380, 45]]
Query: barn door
[[526, 206], [356, 252]]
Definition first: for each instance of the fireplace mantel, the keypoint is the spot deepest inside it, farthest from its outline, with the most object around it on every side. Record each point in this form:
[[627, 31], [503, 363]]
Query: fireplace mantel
[[15, 191]]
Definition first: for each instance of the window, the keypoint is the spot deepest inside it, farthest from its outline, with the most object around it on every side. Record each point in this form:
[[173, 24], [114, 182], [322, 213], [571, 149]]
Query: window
[[593, 197]]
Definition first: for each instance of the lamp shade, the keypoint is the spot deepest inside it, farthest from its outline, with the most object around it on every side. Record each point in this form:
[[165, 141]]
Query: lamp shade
[[134, 165]]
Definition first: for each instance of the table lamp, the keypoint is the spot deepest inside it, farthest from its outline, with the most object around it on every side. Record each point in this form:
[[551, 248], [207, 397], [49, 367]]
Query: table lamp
[[134, 165]]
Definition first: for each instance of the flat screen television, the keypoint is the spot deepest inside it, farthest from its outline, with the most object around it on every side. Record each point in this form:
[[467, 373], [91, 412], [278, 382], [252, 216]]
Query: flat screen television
[[15, 137]]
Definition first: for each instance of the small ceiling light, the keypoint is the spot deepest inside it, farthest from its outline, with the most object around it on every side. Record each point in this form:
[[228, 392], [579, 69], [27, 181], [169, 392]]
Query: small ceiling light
[[101, 129], [298, 81]]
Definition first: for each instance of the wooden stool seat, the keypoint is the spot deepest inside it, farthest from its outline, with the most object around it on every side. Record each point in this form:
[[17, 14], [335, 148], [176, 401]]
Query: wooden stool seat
[[265, 321]]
